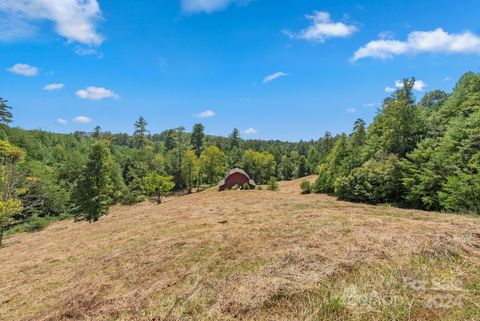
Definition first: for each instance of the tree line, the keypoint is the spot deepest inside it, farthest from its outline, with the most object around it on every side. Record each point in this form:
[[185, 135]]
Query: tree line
[[46, 176], [423, 155]]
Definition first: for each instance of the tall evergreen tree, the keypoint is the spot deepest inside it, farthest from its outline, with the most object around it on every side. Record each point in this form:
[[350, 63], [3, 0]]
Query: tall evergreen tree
[[5, 114], [234, 139], [197, 138], [94, 191], [140, 135], [97, 132]]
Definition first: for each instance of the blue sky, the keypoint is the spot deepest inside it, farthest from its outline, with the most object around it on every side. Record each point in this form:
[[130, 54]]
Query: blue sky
[[285, 70]]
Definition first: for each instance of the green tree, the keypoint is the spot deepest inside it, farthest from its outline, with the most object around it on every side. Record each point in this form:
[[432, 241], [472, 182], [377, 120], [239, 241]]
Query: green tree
[[140, 135], [176, 155], [10, 177], [212, 164], [95, 189], [259, 165], [286, 168], [302, 169], [97, 132], [190, 169], [157, 185], [234, 139], [5, 114], [197, 138]]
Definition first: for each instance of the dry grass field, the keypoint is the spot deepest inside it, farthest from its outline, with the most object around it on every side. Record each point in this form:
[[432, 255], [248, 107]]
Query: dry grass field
[[246, 255]]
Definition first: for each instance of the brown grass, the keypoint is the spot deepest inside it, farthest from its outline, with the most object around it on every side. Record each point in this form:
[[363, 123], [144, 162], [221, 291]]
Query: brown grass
[[249, 255]]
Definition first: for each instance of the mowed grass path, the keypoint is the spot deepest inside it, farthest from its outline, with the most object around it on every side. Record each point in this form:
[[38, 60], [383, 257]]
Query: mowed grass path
[[246, 255]]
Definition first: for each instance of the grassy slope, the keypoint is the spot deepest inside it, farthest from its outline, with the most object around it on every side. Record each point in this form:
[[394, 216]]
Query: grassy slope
[[252, 255]]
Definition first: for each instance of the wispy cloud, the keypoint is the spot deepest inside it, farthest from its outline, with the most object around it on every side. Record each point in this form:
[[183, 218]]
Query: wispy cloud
[[73, 19], [61, 121], [390, 90], [96, 93], [208, 6], [322, 28], [419, 85], [24, 70], [370, 105], [87, 51], [206, 114], [250, 131], [351, 110], [82, 120], [436, 41], [51, 87], [274, 76]]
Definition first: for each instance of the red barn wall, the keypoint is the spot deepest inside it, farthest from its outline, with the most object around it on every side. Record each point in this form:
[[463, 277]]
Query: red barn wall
[[235, 179]]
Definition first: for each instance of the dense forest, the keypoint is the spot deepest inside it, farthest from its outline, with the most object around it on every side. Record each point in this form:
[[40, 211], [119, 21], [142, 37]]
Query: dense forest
[[423, 154], [48, 176]]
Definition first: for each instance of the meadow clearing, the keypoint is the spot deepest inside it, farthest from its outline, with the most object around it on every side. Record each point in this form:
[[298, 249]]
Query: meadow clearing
[[246, 255]]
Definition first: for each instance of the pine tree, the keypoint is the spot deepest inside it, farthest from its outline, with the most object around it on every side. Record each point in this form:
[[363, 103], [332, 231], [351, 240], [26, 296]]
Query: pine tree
[[5, 114], [140, 135], [234, 139], [94, 191], [97, 132], [197, 138]]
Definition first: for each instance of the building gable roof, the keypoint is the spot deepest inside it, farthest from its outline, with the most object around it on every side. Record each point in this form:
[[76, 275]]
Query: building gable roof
[[240, 171]]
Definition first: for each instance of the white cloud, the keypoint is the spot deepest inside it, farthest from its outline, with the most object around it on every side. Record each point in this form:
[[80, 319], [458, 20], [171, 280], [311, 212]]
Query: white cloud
[[369, 105], [436, 41], [419, 85], [51, 87], [208, 6], [73, 19], [351, 110], [390, 90], [96, 93], [23, 70], [322, 28], [206, 114], [62, 121], [250, 131], [82, 120], [83, 51], [274, 76], [447, 78]]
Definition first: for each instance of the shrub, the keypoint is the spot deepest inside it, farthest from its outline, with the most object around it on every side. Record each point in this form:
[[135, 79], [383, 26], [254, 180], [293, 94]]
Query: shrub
[[272, 184], [377, 181], [36, 223], [306, 187], [324, 181], [246, 186]]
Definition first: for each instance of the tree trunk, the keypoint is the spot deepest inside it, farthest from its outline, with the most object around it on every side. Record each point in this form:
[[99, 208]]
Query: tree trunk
[[159, 198], [1, 236]]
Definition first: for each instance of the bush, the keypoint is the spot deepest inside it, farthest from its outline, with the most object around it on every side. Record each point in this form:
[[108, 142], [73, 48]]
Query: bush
[[377, 181], [325, 181], [272, 184], [246, 186], [132, 196], [462, 193], [306, 187]]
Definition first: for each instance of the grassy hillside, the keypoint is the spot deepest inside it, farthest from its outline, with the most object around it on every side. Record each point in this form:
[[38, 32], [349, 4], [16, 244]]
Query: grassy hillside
[[249, 255]]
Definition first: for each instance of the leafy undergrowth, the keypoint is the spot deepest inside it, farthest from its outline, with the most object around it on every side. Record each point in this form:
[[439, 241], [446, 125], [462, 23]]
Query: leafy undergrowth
[[248, 255]]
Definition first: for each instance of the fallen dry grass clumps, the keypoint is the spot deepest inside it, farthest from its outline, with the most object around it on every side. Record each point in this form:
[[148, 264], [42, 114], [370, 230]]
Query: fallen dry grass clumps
[[249, 255]]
